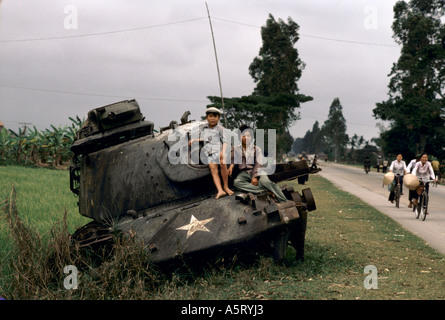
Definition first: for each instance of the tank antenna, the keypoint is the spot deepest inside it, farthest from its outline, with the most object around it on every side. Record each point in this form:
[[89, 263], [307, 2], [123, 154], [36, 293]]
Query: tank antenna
[[217, 66]]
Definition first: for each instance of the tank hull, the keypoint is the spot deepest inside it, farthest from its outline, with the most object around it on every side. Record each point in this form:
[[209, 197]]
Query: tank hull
[[208, 229]]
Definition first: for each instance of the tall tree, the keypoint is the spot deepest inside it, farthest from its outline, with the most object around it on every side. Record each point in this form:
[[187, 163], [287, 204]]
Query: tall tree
[[297, 146], [316, 138], [355, 142], [276, 71], [417, 80], [278, 66], [334, 129], [312, 140], [307, 142]]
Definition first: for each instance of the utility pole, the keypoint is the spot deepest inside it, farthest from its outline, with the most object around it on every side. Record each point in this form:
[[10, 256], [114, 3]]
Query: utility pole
[[25, 126], [217, 67]]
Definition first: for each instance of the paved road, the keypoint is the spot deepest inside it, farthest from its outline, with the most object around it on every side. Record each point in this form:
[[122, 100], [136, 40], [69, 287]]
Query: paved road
[[369, 189]]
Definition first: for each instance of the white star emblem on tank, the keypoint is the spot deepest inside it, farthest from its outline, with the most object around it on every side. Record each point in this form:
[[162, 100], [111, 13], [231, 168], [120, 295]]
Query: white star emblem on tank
[[195, 225]]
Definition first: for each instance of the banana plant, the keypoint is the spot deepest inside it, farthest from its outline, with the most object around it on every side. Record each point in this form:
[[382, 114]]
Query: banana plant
[[74, 128], [55, 144], [17, 140], [5, 143], [32, 146], [47, 146]]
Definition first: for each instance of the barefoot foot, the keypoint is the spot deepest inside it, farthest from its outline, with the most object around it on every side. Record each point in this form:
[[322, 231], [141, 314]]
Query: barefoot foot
[[228, 191], [220, 194]]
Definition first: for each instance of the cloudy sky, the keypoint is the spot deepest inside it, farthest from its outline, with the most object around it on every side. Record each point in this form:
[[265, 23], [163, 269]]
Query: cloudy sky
[[62, 58]]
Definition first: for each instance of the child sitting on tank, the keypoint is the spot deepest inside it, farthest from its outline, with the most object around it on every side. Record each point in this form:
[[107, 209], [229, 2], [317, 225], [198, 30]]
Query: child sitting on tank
[[213, 137], [248, 161]]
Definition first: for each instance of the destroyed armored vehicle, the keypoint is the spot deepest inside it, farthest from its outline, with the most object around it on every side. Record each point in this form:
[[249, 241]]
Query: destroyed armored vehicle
[[122, 174]]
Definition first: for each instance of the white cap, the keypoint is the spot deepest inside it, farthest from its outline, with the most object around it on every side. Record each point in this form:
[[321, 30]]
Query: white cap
[[213, 110]]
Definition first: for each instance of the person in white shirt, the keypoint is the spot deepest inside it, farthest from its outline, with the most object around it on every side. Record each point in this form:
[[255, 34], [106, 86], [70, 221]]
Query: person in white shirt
[[398, 166], [412, 163], [423, 170], [410, 168]]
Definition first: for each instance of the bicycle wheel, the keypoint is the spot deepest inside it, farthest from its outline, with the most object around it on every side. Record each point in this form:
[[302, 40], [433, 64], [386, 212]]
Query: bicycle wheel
[[418, 209], [424, 206], [397, 195]]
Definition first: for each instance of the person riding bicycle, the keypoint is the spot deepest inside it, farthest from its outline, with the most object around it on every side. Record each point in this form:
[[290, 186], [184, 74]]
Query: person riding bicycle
[[398, 167], [423, 170], [385, 165], [436, 167], [410, 168], [367, 164]]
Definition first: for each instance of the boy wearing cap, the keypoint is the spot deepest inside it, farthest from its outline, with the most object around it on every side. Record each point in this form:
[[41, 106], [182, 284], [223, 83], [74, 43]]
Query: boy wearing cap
[[213, 148]]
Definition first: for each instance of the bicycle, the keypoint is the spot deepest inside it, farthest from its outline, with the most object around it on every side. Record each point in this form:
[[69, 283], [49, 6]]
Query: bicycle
[[436, 182], [421, 209], [397, 189]]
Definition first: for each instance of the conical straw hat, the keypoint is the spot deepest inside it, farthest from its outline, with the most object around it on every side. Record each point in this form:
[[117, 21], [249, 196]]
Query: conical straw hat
[[388, 178], [411, 181]]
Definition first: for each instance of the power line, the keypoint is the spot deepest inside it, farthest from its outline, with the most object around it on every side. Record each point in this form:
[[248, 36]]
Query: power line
[[102, 33], [186, 21], [144, 98], [347, 121], [315, 37], [351, 41], [101, 95]]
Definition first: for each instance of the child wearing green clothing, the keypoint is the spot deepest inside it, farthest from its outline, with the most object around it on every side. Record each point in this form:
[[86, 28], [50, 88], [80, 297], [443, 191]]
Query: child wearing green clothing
[[250, 178]]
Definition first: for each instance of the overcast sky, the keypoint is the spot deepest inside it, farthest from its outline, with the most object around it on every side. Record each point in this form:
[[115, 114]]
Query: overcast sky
[[62, 58]]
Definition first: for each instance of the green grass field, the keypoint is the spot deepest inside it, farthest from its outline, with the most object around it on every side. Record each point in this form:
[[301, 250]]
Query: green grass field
[[344, 235], [42, 196]]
